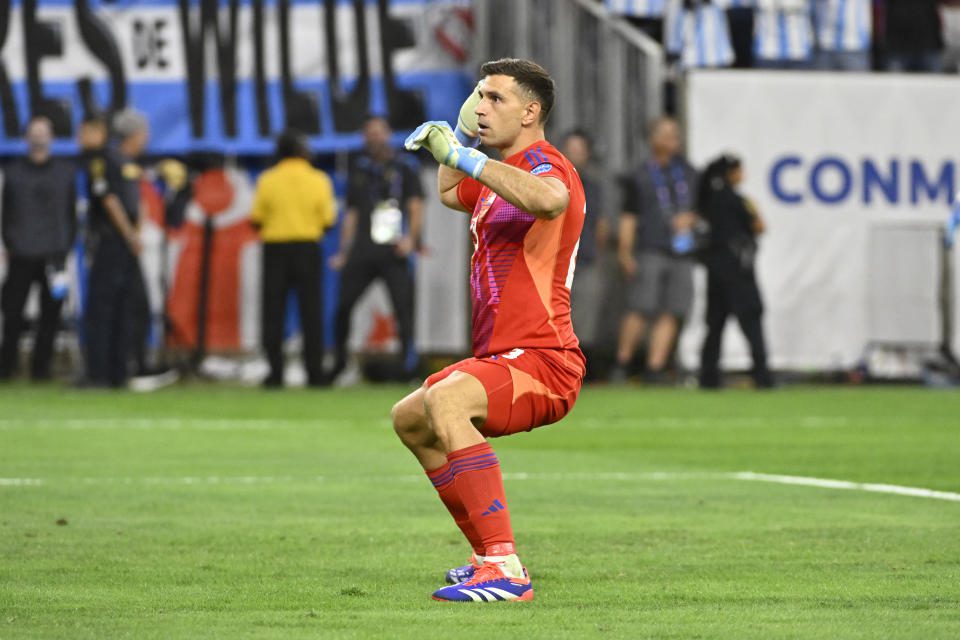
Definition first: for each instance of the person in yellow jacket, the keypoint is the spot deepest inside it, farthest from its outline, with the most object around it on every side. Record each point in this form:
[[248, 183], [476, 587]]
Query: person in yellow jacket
[[293, 207]]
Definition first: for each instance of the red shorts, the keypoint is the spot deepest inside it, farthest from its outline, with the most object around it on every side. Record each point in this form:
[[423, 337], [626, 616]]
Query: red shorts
[[526, 388]]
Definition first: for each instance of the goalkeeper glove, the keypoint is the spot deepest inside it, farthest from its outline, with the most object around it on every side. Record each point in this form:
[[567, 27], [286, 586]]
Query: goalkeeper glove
[[436, 137], [467, 131]]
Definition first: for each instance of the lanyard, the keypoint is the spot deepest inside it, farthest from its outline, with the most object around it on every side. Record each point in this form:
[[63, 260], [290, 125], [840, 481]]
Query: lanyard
[[680, 187], [394, 176]]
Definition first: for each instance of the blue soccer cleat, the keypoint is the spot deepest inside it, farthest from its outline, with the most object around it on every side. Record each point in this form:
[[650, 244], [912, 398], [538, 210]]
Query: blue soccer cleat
[[464, 573], [488, 584]]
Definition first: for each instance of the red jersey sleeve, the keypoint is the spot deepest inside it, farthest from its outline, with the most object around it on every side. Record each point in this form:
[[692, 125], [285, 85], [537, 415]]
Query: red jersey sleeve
[[544, 161], [468, 192]]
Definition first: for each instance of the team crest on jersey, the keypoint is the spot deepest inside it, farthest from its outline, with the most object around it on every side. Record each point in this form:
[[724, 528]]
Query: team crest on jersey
[[541, 168]]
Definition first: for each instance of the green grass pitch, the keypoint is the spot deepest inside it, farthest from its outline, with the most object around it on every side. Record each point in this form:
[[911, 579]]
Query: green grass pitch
[[229, 513]]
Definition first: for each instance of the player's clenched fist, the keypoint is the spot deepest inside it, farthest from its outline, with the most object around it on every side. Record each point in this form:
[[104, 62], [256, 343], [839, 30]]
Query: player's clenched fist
[[468, 132], [438, 138]]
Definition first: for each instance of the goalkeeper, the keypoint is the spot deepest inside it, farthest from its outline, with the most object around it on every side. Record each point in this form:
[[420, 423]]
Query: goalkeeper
[[526, 214]]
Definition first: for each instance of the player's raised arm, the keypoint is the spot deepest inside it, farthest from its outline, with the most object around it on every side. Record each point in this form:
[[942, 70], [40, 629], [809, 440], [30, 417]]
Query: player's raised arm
[[448, 179], [541, 197], [448, 182], [508, 117]]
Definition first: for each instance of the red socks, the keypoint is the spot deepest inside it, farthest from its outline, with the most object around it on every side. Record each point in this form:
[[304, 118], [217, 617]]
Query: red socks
[[479, 484], [471, 487], [443, 482]]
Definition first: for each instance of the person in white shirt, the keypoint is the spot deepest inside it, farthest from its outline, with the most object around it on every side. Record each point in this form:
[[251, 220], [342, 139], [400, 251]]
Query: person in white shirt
[[637, 8], [844, 35], [783, 34], [697, 32]]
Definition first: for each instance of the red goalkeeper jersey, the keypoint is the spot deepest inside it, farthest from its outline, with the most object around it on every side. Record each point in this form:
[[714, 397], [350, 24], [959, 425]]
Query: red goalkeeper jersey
[[522, 266]]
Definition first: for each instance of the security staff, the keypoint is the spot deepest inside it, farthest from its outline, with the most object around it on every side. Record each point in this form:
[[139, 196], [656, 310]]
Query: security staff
[[731, 282], [658, 208], [39, 224], [380, 232], [293, 207], [115, 276]]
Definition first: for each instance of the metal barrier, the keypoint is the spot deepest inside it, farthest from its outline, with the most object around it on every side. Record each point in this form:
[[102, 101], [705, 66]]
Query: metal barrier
[[609, 75]]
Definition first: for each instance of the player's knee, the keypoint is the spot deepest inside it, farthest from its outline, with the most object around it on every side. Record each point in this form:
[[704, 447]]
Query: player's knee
[[408, 418], [437, 401]]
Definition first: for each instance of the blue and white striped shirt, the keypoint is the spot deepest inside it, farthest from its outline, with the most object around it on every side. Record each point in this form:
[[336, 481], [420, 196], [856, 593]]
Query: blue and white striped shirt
[[700, 36], [783, 30], [735, 4], [843, 25], [638, 8]]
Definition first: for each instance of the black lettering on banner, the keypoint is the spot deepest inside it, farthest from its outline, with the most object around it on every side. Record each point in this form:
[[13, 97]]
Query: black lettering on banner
[[349, 108], [300, 108], [194, 38], [100, 41], [43, 40], [148, 43], [259, 72], [405, 107], [11, 119]]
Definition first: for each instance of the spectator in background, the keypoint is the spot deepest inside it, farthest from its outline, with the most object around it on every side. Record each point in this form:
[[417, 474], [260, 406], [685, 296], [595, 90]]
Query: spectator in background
[[844, 31], [38, 228], [293, 206], [950, 14], [698, 34], [913, 38], [731, 283], [92, 136], [646, 15], [783, 34], [740, 20], [658, 203], [588, 285], [115, 280], [380, 233]]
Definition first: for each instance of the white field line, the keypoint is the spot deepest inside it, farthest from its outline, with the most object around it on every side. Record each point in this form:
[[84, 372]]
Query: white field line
[[747, 476], [755, 422], [825, 483]]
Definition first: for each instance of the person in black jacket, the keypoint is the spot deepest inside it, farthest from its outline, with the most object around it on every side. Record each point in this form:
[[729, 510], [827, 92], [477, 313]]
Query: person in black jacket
[[913, 37], [39, 225], [381, 231], [116, 281], [731, 282]]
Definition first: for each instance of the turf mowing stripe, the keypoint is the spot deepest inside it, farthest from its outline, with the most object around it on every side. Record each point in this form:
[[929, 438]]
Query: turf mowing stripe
[[174, 424], [749, 476], [826, 483]]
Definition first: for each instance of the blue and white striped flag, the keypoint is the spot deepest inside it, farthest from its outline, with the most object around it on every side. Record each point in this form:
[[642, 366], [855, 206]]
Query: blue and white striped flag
[[700, 36], [783, 30], [638, 8], [843, 25]]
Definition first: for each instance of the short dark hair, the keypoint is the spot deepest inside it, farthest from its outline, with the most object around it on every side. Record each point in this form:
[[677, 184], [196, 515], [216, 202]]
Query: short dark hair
[[658, 121], [528, 74], [371, 117], [579, 133], [36, 118], [94, 119], [292, 144]]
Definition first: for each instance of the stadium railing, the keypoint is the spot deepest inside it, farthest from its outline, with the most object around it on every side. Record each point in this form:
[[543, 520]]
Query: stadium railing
[[609, 75]]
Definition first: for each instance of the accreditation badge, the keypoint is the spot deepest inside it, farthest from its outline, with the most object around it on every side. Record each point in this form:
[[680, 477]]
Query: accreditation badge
[[386, 223]]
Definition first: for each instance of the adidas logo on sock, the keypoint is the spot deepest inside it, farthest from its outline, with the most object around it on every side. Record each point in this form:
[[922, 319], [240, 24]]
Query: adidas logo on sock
[[493, 508]]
